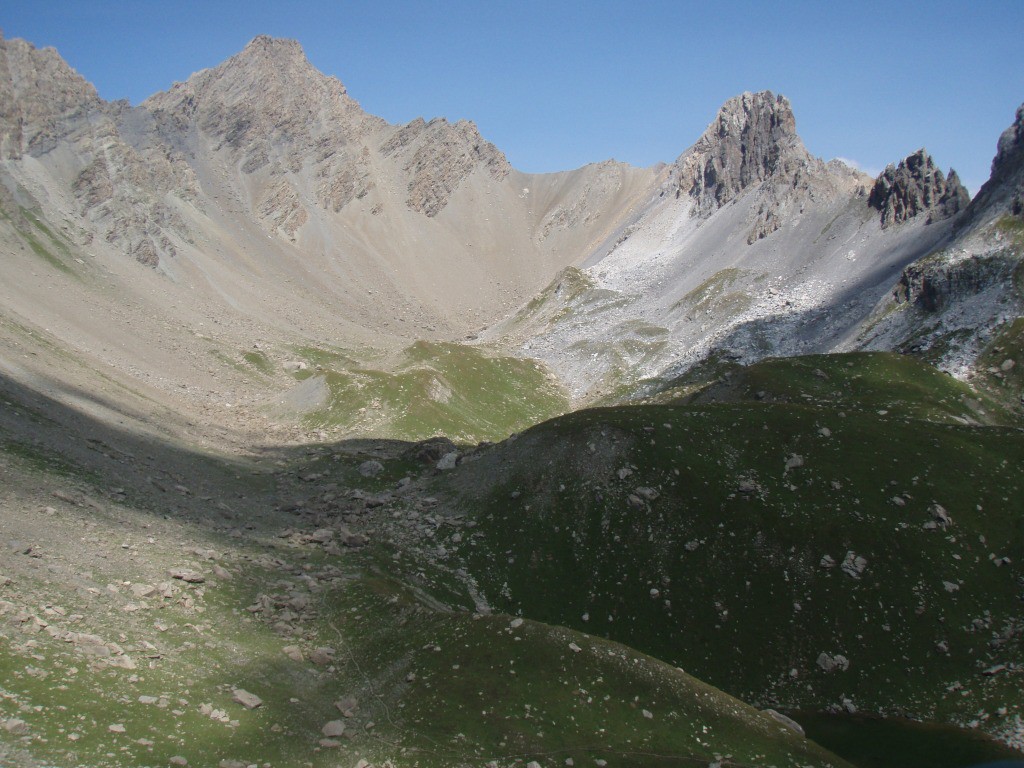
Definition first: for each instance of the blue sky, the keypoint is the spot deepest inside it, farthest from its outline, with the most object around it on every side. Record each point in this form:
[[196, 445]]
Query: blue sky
[[556, 85]]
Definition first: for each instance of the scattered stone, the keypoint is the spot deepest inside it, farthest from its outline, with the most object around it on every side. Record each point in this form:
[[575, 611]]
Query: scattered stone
[[116, 728], [371, 468], [650, 494], [148, 699], [347, 706], [747, 486], [574, 648], [143, 590], [231, 764], [16, 726], [951, 586], [430, 451], [333, 729], [448, 461], [789, 722], [994, 670], [178, 760], [322, 536], [322, 656], [246, 699], [293, 652], [187, 575], [353, 540], [940, 515], [831, 663], [854, 565], [1007, 365], [516, 623], [222, 573], [794, 461], [828, 562], [648, 715]]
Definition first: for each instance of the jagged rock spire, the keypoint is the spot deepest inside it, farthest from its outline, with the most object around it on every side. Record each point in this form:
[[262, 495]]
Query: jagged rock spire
[[752, 138], [916, 186]]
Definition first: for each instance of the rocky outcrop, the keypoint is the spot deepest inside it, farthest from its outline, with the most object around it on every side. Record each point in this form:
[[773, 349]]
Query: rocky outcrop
[[916, 187], [43, 101], [46, 106], [438, 157], [752, 139], [1004, 191], [934, 284], [281, 209]]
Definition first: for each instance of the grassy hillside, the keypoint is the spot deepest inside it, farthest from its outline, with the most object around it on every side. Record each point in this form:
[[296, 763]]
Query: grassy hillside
[[714, 536], [451, 389], [858, 382], [144, 584]]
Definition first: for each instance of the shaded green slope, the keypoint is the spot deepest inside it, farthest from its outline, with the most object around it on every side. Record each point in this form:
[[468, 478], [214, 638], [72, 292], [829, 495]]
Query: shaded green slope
[[862, 381], [714, 537]]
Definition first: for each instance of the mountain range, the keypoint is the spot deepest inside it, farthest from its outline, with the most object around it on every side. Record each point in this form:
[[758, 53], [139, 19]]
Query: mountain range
[[342, 407]]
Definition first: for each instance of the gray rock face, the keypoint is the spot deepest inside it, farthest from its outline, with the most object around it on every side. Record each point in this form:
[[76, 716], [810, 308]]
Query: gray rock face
[[118, 189], [438, 156], [916, 187], [934, 285], [753, 138], [1004, 191], [42, 100]]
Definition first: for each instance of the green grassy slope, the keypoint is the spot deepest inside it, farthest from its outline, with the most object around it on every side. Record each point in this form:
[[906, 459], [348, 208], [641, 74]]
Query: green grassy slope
[[108, 661], [857, 382], [697, 534], [459, 391]]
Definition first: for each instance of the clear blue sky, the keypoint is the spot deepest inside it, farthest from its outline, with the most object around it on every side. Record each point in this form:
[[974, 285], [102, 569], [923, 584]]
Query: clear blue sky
[[556, 85]]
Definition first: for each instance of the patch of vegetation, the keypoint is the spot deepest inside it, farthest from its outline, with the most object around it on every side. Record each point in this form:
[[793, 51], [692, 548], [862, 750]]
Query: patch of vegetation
[[714, 537], [436, 388], [43, 460], [1000, 367], [37, 247], [1013, 227], [260, 362], [712, 295], [877, 382], [230, 362], [425, 686]]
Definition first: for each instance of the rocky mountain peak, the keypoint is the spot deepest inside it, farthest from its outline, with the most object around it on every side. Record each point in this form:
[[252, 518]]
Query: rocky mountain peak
[[1004, 191], [267, 104], [1010, 149], [275, 58], [752, 138], [916, 186], [42, 99]]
